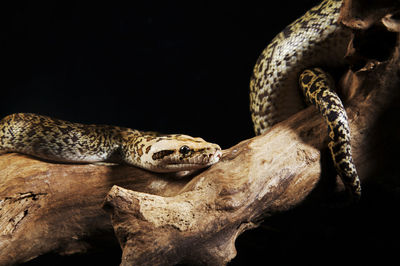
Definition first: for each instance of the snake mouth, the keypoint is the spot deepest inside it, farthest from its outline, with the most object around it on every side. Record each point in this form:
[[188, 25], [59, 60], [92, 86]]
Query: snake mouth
[[193, 163], [202, 160]]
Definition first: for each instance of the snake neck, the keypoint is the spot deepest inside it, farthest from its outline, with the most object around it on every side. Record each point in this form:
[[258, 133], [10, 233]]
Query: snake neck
[[316, 38], [132, 145]]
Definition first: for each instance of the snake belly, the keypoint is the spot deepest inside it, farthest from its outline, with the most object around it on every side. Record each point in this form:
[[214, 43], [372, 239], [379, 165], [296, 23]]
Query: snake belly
[[314, 40], [62, 141]]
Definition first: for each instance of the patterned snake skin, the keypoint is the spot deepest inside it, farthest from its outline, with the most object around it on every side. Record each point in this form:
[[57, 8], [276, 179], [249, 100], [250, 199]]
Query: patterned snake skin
[[58, 140], [314, 40]]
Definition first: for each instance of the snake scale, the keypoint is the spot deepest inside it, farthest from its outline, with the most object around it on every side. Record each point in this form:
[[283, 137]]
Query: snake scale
[[314, 40]]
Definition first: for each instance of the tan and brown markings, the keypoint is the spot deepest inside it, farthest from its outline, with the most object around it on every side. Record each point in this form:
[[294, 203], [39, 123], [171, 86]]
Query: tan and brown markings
[[314, 40], [58, 140], [318, 90]]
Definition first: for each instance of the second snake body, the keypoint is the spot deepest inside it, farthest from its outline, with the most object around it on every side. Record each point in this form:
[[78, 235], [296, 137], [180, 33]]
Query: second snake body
[[314, 40]]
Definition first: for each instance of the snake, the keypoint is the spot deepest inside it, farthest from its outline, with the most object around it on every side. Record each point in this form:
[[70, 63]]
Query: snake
[[292, 59], [62, 141], [289, 74]]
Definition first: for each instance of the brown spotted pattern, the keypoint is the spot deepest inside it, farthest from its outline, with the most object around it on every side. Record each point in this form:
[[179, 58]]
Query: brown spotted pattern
[[315, 39], [318, 90], [58, 140]]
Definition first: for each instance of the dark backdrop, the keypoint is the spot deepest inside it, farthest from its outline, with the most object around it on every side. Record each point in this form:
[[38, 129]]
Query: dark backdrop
[[168, 66]]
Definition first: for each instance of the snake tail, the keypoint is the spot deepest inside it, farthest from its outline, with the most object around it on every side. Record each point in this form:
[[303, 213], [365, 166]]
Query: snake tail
[[318, 90]]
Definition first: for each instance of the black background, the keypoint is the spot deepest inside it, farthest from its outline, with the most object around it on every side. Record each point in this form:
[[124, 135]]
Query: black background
[[173, 67], [168, 66]]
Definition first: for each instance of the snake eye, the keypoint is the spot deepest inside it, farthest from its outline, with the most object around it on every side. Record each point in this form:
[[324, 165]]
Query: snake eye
[[184, 149]]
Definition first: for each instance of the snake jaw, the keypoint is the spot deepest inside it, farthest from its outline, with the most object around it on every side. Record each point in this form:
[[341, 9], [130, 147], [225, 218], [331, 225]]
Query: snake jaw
[[198, 162]]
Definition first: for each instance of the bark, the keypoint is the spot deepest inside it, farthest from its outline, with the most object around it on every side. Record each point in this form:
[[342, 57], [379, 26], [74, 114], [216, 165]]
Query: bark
[[160, 220]]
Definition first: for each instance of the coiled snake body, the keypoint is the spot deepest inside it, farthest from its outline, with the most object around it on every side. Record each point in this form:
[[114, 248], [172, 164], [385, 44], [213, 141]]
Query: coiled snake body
[[314, 40], [58, 140]]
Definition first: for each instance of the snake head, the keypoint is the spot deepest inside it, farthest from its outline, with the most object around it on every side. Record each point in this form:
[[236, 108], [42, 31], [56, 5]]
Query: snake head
[[174, 153]]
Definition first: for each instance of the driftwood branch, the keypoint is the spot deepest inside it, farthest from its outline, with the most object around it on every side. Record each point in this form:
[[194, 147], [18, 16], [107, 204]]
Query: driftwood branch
[[47, 207]]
